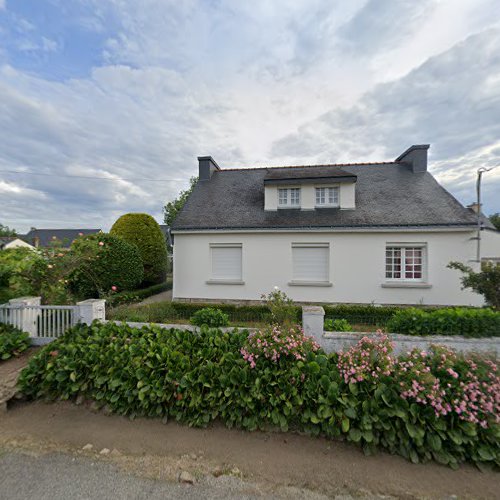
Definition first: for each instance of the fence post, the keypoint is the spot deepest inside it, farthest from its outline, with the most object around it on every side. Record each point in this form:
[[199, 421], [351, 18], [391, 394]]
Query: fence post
[[27, 320], [313, 322], [90, 310]]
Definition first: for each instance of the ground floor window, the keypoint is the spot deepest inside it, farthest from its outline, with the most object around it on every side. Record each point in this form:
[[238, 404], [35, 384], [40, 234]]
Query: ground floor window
[[311, 262], [226, 261], [404, 262]]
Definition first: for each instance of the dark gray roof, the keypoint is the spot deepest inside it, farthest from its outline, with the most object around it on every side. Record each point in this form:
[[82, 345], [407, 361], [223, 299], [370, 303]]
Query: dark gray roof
[[64, 237], [307, 174], [387, 195]]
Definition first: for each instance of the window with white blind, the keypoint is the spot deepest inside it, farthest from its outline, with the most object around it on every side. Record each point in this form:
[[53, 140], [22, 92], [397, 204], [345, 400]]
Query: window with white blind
[[226, 262], [311, 263], [327, 196], [289, 197], [404, 262]]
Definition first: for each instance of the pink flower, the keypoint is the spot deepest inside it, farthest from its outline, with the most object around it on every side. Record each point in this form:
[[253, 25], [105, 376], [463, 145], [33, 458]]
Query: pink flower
[[101, 243], [114, 288]]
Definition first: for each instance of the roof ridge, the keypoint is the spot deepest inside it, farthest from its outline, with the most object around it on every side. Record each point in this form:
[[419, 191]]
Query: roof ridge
[[311, 166]]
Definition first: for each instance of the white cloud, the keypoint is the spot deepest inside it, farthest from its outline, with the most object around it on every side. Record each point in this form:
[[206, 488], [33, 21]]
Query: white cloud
[[248, 83]]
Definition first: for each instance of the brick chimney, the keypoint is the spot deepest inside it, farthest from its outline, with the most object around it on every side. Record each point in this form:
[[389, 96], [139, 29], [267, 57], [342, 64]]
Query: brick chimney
[[206, 166], [416, 157]]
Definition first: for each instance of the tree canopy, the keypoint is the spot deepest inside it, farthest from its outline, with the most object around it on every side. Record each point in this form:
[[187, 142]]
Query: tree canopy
[[495, 220], [172, 208], [7, 231]]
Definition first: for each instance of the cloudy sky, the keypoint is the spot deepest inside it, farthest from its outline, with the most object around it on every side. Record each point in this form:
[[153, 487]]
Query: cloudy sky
[[105, 104]]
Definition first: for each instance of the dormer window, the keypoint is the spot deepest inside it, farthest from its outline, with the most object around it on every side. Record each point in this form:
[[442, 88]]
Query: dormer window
[[289, 198], [327, 196]]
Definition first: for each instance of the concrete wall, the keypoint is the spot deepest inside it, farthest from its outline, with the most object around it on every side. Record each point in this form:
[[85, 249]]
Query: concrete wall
[[357, 267], [17, 243]]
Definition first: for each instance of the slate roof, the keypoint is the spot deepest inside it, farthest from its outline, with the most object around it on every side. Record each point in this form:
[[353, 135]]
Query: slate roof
[[307, 174], [63, 236], [388, 194]]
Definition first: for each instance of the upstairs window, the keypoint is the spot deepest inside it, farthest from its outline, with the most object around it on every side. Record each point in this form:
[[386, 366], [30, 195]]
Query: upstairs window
[[327, 197], [289, 198], [404, 263]]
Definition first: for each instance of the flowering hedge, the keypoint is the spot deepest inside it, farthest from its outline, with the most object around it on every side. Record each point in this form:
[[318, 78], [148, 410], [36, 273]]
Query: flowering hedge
[[424, 405]]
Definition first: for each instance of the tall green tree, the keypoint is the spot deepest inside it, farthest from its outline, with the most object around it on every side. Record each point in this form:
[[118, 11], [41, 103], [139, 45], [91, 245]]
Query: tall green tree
[[7, 231], [172, 208], [495, 220]]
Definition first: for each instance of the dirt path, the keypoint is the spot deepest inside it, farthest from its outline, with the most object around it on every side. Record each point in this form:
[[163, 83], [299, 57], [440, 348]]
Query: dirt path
[[9, 372], [153, 449]]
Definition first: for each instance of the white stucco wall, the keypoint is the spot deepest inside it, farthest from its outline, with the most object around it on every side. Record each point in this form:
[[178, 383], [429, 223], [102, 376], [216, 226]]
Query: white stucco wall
[[357, 267], [490, 244]]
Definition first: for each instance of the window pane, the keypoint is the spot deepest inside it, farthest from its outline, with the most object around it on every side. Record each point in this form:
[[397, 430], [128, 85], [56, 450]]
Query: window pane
[[333, 196], [320, 196], [226, 263], [283, 196], [310, 263], [295, 196]]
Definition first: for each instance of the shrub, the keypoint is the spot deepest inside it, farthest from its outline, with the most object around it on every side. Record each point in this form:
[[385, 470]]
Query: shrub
[[281, 306], [365, 395], [144, 232], [129, 297], [12, 341], [449, 321], [277, 342], [210, 317], [486, 282], [106, 263], [337, 325]]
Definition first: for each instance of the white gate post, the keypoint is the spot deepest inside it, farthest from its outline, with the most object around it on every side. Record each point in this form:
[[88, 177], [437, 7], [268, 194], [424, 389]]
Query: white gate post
[[27, 320], [313, 322], [90, 310]]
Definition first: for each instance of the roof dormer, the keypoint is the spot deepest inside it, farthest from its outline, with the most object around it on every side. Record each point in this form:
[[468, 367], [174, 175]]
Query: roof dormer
[[309, 188]]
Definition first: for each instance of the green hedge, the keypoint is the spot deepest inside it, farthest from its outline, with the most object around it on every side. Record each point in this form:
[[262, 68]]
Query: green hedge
[[112, 262], [451, 321], [144, 232], [12, 341], [197, 378], [129, 297], [168, 311]]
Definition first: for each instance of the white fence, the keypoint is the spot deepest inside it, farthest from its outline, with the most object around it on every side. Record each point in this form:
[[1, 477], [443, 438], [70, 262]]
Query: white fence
[[46, 323]]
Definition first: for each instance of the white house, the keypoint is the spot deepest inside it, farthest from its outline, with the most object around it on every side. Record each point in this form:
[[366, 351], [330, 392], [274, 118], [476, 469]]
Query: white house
[[7, 242], [378, 233]]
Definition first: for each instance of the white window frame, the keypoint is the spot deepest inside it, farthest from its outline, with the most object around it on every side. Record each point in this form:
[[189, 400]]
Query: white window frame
[[286, 196], [404, 247], [302, 282], [327, 190], [235, 280]]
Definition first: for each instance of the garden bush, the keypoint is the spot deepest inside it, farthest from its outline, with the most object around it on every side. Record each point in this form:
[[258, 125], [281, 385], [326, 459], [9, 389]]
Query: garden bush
[[131, 296], [105, 264], [425, 405], [449, 321], [12, 341], [337, 325], [210, 317], [144, 232]]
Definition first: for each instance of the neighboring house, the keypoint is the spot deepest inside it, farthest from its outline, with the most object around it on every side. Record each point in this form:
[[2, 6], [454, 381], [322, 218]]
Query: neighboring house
[[60, 237], [379, 233], [8, 242]]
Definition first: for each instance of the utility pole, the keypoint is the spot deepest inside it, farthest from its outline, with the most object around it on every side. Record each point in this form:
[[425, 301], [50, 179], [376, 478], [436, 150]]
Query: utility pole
[[480, 172]]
